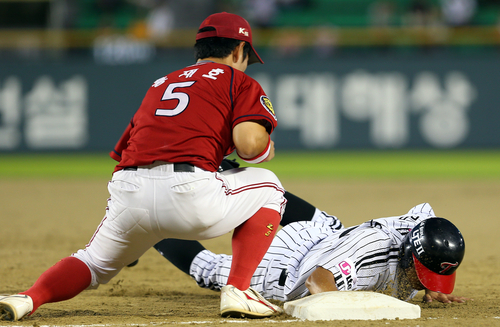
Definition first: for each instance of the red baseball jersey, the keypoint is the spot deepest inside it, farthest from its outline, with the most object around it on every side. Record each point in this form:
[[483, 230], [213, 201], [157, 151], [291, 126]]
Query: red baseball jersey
[[189, 115]]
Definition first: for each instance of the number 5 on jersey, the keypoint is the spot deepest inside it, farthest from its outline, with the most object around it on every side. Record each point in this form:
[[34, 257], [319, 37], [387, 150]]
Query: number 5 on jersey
[[171, 95]]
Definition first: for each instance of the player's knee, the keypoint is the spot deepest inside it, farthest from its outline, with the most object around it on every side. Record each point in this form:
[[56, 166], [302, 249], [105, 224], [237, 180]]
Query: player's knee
[[276, 200], [99, 275], [269, 176]]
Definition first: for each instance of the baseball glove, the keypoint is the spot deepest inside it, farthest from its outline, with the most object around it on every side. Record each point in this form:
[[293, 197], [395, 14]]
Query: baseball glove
[[228, 164]]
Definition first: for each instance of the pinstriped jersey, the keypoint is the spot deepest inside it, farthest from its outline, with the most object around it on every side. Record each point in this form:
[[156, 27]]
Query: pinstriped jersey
[[362, 257], [211, 270]]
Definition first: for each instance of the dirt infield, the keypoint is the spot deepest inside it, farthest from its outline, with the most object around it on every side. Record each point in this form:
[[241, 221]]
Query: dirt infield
[[43, 221]]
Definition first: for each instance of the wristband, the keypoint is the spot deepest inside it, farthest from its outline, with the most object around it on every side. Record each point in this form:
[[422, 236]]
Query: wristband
[[261, 156]]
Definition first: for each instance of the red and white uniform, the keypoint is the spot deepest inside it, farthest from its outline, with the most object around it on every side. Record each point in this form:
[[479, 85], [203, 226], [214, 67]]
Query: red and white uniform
[[186, 117]]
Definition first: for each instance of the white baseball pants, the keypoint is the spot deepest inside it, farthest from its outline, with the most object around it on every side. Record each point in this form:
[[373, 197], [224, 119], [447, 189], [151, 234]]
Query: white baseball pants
[[154, 203]]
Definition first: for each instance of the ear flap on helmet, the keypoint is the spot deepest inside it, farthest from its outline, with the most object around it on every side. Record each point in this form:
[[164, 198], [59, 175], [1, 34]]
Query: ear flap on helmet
[[405, 253]]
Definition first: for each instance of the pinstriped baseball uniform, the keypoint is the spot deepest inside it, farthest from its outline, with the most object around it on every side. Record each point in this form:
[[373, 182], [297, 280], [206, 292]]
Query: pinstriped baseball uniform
[[362, 257]]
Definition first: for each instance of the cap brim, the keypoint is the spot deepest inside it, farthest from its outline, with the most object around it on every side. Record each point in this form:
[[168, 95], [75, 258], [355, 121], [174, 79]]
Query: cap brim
[[253, 57], [434, 281]]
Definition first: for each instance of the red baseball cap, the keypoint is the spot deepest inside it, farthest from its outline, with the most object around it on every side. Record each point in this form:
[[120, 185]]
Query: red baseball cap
[[230, 26]]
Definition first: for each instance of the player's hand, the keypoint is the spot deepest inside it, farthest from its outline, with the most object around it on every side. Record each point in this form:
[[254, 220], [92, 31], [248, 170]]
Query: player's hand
[[443, 298]]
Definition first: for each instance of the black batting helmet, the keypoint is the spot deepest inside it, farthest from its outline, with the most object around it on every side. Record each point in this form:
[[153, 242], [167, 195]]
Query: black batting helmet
[[436, 248]]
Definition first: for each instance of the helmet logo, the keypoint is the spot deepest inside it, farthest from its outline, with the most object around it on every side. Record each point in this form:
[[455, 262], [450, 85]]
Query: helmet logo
[[447, 266], [416, 238], [243, 31]]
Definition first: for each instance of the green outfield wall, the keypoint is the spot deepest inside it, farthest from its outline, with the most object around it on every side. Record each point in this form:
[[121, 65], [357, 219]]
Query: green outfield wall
[[372, 101]]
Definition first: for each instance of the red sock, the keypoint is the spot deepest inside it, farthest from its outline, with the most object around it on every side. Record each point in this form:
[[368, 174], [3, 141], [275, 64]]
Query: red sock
[[62, 281], [250, 242]]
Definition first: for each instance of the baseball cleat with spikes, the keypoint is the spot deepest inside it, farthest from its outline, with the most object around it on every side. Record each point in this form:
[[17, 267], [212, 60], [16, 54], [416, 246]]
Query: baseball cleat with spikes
[[245, 304], [15, 307]]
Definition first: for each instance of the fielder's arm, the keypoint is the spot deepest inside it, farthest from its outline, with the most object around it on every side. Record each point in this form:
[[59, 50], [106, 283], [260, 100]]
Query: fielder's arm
[[253, 143], [321, 280]]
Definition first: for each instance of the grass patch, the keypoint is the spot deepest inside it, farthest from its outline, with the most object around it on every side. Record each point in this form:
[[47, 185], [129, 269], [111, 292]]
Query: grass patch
[[473, 164], [389, 164], [94, 165]]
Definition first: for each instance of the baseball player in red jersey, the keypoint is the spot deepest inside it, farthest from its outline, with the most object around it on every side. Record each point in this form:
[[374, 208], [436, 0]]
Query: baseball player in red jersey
[[167, 184]]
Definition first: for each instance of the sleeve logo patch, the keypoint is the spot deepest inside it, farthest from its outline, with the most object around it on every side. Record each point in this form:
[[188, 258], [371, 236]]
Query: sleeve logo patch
[[266, 103], [345, 268], [348, 273]]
